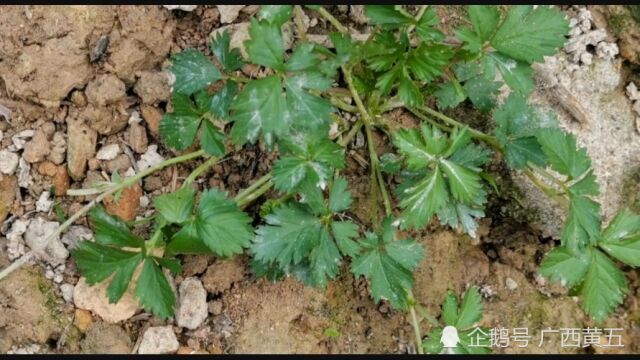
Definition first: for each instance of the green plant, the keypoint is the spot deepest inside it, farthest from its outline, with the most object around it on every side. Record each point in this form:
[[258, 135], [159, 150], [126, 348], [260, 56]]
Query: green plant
[[462, 317], [406, 62]]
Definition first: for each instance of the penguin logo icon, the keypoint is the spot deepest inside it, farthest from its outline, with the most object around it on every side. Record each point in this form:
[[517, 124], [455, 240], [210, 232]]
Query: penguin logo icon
[[449, 339]]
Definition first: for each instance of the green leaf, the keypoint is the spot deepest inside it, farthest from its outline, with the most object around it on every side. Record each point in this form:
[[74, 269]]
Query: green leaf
[[450, 309], [224, 228], [303, 58], [179, 128], [563, 154], [463, 183], [172, 264], [340, 196], [187, 241], [624, 225], [388, 264], [583, 223], [482, 92], [448, 96], [230, 59], [212, 140], [564, 266], [426, 27], [516, 74], [345, 232], [111, 230], [627, 250], [387, 15], [604, 287], [432, 344], [587, 185], [457, 215], [470, 309], [265, 46], [324, 259], [312, 161], [485, 19], [409, 92], [154, 292], [193, 72], [221, 101], [421, 198], [97, 262], [176, 207], [528, 34], [259, 109], [307, 111], [275, 14]]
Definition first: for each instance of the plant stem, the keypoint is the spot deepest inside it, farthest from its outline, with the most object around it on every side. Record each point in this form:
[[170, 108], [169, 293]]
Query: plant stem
[[325, 14], [199, 170], [257, 184], [416, 329], [423, 9], [340, 104], [423, 117], [109, 191], [246, 200]]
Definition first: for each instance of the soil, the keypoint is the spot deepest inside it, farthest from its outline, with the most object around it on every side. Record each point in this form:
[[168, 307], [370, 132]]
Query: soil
[[78, 92]]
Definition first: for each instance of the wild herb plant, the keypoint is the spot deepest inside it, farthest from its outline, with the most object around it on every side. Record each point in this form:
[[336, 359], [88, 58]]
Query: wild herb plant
[[298, 97]]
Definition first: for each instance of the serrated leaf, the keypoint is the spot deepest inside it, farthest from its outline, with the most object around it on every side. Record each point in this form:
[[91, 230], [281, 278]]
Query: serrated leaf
[[388, 264], [303, 58], [265, 46], [97, 262], [154, 292], [520, 151], [212, 140], [448, 96], [176, 207], [307, 111], [432, 344], [422, 197], [260, 108], [450, 308], [426, 27], [187, 241], [409, 92], [457, 215], [179, 128], [564, 266], [588, 185], [275, 14], [485, 19], [464, 184], [470, 309], [340, 196], [518, 75], [528, 34], [230, 59], [482, 92], [583, 223], [621, 239], [604, 287], [111, 230], [221, 101], [387, 15], [324, 259], [345, 232], [192, 71], [172, 264], [224, 228], [122, 278]]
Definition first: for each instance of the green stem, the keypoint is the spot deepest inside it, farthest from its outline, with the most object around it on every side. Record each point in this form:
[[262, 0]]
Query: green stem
[[236, 78], [85, 209], [246, 200], [257, 184], [199, 170], [423, 9], [423, 117], [325, 14], [340, 104], [152, 243]]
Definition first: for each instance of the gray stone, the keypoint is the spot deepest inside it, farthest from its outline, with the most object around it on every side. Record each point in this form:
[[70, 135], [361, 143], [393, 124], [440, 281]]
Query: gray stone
[[192, 308], [159, 340], [36, 236], [8, 162]]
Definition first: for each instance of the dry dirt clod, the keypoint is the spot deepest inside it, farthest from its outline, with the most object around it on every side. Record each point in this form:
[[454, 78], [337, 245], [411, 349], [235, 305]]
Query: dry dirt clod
[[8, 162], [153, 87], [137, 138], [82, 319], [127, 205], [8, 187], [82, 147], [192, 308], [152, 116], [38, 148], [94, 298], [229, 13], [222, 274], [102, 338], [159, 340]]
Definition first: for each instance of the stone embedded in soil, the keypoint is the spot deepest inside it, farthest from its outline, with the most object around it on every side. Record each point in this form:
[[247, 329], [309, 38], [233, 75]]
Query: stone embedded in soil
[[8, 187], [81, 147], [8, 162], [94, 298], [108, 152], [44, 203], [150, 158], [127, 205], [58, 148], [153, 87], [67, 292], [60, 180], [36, 236], [106, 89], [152, 117], [103, 338], [222, 274], [192, 306], [37, 149], [107, 120], [137, 138], [159, 340], [229, 13]]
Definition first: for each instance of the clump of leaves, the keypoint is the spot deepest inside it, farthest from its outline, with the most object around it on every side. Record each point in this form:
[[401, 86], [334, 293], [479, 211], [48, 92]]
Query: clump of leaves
[[463, 317], [297, 100]]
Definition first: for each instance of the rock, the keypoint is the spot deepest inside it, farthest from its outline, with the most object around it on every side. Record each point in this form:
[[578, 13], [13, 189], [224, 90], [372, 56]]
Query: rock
[[120, 164], [137, 138], [187, 8], [15, 246], [632, 92], [75, 234], [215, 307], [24, 174], [58, 148], [44, 204], [192, 308], [606, 50], [67, 292], [579, 43], [37, 233], [82, 319], [158, 340], [153, 87], [60, 180], [108, 152], [106, 89], [94, 298], [82, 147], [127, 205], [8, 162], [106, 120], [229, 13], [104, 338], [192, 264], [222, 274], [47, 168], [510, 284], [150, 158], [152, 116], [21, 138]]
